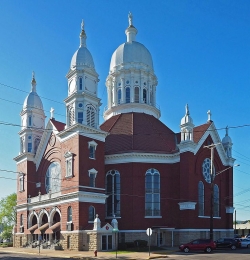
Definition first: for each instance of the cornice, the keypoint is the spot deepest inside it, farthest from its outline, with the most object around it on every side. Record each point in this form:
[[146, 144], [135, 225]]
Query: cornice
[[83, 130], [142, 158], [45, 201], [132, 107], [24, 157]]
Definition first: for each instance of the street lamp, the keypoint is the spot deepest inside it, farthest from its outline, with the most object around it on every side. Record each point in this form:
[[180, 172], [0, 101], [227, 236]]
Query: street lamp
[[212, 177]]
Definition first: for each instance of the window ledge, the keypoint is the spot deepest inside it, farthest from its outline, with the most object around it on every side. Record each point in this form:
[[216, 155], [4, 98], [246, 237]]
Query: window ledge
[[209, 217], [91, 158], [153, 217], [69, 176]]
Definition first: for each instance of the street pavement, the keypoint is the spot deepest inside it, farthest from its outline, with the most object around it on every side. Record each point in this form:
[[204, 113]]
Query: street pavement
[[86, 255]]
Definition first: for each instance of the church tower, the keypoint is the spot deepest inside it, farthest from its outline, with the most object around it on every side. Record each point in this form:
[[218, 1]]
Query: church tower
[[131, 83], [32, 121], [82, 103]]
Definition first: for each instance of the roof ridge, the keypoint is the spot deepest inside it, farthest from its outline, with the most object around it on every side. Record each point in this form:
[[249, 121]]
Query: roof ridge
[[114, 122]]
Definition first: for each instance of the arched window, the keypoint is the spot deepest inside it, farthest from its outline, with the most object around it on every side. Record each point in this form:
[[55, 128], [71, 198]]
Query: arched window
[[30, 120], [216, 201], [69, 214], [91, 213], [137, 95], [144, 95], [127, 95], [71, 116], [80, 83], [119, 96], [53, 178], [113, 189], [152, 193], [91, 116], [201, 198]]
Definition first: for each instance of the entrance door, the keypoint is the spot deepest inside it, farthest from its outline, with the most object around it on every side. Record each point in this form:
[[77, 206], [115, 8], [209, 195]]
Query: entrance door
[[106, 242]]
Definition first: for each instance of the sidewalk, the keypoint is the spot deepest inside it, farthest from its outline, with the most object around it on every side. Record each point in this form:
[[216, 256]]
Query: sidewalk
[[88, 255]]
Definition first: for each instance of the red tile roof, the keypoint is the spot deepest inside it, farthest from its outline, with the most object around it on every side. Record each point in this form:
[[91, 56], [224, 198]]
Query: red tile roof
[[138, 132], [200, 130], [58, 125]]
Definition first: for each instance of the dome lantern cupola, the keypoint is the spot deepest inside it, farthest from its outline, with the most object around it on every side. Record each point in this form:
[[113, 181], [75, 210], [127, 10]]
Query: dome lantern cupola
[[227, 144], [131, 83], [187, 126]]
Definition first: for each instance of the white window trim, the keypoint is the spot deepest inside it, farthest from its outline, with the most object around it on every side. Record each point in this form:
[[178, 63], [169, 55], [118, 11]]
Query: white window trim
[[94, 172], [92, 144], [21, 177], [69, 159]]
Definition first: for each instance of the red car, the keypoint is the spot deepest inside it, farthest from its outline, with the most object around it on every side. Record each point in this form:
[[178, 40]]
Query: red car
[[206, 245]]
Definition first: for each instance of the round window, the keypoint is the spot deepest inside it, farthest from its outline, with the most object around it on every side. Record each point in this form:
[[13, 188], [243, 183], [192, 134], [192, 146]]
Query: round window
[[80, 105]]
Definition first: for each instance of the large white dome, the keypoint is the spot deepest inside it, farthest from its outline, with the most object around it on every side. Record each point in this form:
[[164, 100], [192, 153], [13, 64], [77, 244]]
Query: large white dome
[[133, 53], [33, 101], [82, 57]]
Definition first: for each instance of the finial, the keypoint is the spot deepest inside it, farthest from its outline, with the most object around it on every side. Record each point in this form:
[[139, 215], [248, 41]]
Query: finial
[[97, 215], [82, 25], [33, 82], [187, 110], [227, 130], [209, 115], [130, 19], [52, 113], [83, 36]]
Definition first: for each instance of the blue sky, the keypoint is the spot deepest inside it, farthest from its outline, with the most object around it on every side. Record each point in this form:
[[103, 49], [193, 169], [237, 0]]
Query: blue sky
[[200, 51]]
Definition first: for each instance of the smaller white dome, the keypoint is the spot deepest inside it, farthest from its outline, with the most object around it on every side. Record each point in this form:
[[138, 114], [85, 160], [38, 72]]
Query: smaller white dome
[[187, 118], [226, 139], [82, 57], [33, 101]]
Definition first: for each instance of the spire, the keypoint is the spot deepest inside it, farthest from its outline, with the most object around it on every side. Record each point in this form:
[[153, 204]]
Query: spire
[[33, 82], [131, 31], [187, 110], [83, 36], [227, 130]]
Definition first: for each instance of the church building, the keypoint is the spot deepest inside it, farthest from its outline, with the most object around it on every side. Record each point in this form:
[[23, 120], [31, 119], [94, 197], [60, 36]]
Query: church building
[[89, 186]]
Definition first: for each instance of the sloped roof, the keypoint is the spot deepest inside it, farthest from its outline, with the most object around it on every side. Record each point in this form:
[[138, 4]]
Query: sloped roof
[[200, 130], [58, 125], [138, 132]]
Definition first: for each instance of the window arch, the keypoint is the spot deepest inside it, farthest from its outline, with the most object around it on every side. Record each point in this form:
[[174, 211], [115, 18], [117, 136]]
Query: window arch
[[201, 198], [119, 96], [152, 193], [69, 214], [71, 116], [216, 201], [91, 213], [144, 95], [128, 95], [137, 95], [113, 189], [91, 116], [80, 83]]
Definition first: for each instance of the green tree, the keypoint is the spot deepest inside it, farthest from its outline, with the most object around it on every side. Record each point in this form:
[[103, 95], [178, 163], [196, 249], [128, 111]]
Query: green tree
[[8, 214]]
